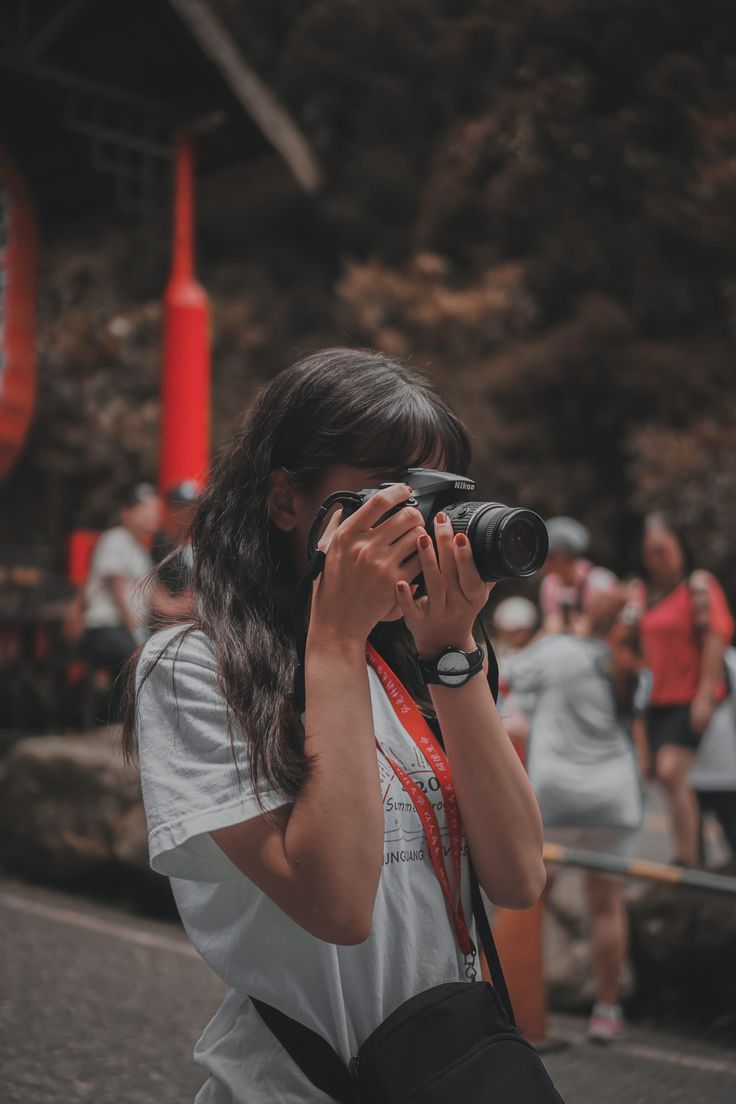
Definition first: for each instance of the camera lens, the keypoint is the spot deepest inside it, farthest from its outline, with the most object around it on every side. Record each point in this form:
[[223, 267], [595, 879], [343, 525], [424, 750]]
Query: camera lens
[[507, 541], [519, 543]]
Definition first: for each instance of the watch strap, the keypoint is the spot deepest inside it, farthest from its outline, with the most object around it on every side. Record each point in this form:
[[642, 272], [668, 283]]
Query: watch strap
[[430, 672]]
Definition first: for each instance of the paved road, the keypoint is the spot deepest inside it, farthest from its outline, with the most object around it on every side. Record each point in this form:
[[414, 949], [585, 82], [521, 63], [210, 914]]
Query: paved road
[[101, 1007]]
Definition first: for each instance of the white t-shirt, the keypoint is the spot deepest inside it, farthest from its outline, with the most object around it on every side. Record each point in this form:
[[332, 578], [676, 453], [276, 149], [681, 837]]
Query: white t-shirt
[[190, 788], [715, 763], [117, 552]]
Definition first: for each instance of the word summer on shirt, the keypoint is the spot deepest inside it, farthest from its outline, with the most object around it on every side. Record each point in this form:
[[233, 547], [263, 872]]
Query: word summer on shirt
[[404, 836]]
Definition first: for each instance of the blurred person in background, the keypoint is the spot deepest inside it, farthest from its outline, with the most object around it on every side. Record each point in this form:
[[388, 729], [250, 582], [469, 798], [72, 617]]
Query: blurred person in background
[[172, 599], [513, 625], [115, 598], [512, 629], [713, 778], [569, 578], [583, 768], [685, 626]]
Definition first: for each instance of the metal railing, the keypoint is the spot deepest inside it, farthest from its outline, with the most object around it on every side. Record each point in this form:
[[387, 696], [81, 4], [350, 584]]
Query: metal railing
[[640, 868]]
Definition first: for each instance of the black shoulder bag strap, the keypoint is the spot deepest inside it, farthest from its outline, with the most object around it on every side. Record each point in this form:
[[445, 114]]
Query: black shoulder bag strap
[[314, 1056], [488, 944]]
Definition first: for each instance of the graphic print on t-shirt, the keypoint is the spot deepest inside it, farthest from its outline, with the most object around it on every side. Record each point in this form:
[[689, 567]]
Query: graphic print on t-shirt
[[404, 836]]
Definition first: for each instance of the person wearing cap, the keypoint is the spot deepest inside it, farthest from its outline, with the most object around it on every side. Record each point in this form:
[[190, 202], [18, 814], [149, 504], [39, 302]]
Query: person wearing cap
[[171, 599], [514, 621], [571, 582], [115, 598]]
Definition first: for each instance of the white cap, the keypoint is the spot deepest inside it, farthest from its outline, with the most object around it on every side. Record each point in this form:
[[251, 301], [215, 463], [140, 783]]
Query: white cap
[[515, 613], [599, 581]]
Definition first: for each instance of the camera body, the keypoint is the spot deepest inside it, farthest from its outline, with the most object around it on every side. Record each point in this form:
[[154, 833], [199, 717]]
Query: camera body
[[508, 542]]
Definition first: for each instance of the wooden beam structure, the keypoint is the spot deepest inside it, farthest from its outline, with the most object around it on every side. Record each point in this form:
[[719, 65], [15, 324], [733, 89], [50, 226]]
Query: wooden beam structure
[[258, 100]]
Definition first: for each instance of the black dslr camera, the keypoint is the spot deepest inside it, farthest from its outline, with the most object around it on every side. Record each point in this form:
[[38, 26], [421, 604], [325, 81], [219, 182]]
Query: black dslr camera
[[508, 542]]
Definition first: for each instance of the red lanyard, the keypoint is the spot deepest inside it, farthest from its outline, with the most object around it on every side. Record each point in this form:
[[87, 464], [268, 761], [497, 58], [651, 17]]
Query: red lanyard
[[416, 726]]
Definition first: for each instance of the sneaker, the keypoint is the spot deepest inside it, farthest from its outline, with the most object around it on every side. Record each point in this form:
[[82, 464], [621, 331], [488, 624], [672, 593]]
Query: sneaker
[[606, 1023]]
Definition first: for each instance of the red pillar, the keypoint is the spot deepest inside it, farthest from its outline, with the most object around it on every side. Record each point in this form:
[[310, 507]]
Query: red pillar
[[185, 387], [18, 244]]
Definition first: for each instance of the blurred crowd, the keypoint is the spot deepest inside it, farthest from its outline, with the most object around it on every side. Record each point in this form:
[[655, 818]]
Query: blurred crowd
[[613, 685], [607, 685]]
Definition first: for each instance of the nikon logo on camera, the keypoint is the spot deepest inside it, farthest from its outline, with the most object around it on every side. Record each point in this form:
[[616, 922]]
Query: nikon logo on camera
[[463, 485]]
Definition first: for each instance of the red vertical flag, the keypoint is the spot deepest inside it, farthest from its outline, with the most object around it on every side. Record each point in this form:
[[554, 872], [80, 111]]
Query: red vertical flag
[[17, 313], [185, 387]]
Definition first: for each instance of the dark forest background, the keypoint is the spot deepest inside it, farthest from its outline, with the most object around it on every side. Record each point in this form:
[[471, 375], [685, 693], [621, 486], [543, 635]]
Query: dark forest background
[[534, 202]]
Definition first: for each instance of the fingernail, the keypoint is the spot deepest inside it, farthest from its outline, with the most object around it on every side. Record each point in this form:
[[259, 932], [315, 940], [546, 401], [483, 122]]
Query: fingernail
[[441, 518], [461, 540], [425, 541]]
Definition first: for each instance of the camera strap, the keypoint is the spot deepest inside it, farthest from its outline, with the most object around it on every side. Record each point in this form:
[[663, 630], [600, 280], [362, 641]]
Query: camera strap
[[315, 556]]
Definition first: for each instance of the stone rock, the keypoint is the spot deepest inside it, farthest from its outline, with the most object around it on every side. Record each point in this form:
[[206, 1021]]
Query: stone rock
[[683, 945], [130, 845], [69, 808]]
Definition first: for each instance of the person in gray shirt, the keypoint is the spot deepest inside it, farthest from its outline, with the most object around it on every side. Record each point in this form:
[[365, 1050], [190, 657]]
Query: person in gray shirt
[[583, 768]]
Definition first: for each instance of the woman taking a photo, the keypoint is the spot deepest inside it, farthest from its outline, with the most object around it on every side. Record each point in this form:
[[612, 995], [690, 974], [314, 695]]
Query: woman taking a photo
[[685, 628], [275, 761]]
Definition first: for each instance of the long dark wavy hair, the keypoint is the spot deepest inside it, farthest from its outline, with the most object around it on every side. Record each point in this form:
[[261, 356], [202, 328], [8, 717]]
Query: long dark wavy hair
[[337, 406]]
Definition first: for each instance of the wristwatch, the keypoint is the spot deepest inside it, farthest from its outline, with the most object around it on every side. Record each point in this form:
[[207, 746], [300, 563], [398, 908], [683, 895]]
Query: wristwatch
[[453, 667]]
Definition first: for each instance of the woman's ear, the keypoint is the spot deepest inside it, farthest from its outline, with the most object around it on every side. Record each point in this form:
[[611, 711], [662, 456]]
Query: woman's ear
[[281, 501]]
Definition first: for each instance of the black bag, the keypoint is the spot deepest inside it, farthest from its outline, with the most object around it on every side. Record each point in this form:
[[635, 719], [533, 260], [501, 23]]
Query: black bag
[[453, 1044]]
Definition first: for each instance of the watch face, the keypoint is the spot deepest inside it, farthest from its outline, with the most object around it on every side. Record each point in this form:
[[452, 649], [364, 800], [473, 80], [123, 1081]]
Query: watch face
[[453, 668]]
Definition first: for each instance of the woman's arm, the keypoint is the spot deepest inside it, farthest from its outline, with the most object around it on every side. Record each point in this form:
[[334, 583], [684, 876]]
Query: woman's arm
[[335, 833], [502, 821], [714, 626], [119, 587], [499, 811], [320, 859], [711, 676]]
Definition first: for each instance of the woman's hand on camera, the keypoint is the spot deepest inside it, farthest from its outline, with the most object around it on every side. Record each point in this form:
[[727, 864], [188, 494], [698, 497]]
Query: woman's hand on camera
[[455, 592], [364, 563]]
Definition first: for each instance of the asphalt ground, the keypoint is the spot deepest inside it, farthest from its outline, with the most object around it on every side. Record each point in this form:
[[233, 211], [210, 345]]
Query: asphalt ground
[[98, 1006]]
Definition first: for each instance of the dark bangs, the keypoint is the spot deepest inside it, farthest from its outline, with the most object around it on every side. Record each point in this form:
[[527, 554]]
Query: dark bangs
[[372, 413], [413, 429]]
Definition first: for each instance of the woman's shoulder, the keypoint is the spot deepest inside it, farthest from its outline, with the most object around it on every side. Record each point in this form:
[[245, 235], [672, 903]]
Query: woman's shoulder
[[177, 644], [177, 672]]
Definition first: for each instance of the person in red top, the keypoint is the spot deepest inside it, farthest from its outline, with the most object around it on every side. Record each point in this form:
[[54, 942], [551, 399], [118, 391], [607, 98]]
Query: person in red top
[[685, 626]]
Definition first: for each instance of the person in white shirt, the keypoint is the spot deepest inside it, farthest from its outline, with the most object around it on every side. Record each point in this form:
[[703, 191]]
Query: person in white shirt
[[115, 599], [274, 760]]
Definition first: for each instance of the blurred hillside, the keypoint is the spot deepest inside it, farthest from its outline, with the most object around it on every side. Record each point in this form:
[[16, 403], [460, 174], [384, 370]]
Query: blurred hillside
[[533, 201]]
